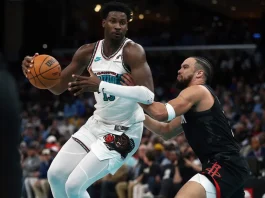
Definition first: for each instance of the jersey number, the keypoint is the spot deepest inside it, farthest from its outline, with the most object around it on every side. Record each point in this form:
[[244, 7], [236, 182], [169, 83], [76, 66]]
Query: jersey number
[[108, 98]]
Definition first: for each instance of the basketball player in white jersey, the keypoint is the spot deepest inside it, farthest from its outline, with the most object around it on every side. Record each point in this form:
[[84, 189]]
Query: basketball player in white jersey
[[114, 132]]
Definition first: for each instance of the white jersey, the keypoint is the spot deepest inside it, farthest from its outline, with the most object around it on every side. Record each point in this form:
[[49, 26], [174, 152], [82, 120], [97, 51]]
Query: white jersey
[[112, 109]]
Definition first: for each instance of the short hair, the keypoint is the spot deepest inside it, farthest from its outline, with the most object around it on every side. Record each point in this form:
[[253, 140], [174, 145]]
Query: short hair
[[116, 6], [150, 155], [206, 67]]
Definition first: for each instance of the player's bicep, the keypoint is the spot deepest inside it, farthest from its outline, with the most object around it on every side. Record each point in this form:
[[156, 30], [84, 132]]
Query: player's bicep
[[135, 58], [181, 105], [78, 64], [142, 75], [186, 100]]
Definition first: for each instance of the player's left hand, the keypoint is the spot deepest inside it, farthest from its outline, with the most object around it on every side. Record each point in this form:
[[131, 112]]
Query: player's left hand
[[84, 84], [127, 80]]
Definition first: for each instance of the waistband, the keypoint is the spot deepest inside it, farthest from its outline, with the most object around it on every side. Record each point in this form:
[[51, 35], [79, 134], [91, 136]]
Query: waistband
[[115, 127]]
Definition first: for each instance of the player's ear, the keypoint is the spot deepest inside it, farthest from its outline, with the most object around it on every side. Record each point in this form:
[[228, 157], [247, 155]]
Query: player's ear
[[103, 22], [199, 74]]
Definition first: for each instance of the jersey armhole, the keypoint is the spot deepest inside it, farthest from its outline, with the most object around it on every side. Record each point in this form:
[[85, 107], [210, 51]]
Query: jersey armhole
[[93, 55], [126, 67]]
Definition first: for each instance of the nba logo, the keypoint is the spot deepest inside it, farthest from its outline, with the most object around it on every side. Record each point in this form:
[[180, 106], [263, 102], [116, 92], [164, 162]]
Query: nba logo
[[183, 119]]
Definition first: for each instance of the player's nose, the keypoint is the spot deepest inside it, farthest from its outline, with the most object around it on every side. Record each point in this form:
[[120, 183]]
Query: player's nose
[[117, 26]]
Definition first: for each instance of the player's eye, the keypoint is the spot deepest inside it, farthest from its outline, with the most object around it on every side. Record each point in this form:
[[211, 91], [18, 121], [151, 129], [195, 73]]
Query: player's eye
[[113, 21], [123, 22]]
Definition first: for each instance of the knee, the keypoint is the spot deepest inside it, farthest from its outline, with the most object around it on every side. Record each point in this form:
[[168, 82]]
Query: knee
[[72, 187], [56, 175]]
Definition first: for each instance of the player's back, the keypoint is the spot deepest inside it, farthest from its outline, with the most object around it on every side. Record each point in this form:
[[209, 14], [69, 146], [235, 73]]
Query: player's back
[[112, 109], [209, 132]]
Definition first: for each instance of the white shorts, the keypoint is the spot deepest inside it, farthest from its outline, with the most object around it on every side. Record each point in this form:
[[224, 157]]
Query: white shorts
[[206, 183], [92, 134]]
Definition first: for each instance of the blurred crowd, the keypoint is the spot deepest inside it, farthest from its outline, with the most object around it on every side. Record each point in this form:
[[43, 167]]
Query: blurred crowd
[[159, 168], [211, 30]]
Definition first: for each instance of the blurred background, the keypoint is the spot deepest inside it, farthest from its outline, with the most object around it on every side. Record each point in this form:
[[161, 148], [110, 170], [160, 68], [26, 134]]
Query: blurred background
[[230, 33]]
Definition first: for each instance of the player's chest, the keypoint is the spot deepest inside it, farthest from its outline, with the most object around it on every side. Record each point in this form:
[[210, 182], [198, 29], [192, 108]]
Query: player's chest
[[102, 65]]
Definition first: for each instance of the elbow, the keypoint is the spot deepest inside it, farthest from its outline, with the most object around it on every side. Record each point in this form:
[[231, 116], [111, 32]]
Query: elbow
[[57, 90], [149, 96], [57, 93], [160, 116]]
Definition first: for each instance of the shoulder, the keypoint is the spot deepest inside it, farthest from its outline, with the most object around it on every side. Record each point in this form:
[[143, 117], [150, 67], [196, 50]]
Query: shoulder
[[133, 54], [86, 49], [84, 52], [195, 89], [195, 92], [133, 48]]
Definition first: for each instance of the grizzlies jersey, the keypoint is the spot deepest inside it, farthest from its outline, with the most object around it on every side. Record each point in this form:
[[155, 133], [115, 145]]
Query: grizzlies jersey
[[112, 109]]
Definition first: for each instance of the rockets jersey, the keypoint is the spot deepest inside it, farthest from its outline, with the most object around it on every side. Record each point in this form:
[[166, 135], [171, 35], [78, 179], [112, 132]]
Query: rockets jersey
[[209, 132], [112, 109]]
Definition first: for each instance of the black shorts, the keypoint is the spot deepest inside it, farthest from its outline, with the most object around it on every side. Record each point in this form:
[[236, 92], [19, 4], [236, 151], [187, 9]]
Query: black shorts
[[228, 174]]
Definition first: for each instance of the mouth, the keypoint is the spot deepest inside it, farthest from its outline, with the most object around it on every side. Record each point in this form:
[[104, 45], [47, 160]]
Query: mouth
[[117, 34]]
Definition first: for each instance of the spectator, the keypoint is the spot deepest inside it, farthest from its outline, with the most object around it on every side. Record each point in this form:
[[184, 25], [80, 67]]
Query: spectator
[[30, 167], [149, 179], [124, 189], [40, 185], [257, 150]]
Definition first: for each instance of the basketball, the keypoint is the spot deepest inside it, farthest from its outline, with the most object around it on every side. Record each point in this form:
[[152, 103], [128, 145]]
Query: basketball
[[45, 73]]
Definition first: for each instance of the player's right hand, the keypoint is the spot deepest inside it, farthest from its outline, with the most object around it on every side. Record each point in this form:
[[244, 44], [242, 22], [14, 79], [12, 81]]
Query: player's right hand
[[28, 63]]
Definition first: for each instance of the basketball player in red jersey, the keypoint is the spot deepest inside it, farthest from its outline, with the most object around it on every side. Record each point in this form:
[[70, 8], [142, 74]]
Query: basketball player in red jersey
[[198, 112], [114, 132]]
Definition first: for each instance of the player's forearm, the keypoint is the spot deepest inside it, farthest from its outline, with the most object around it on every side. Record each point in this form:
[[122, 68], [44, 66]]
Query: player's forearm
[[166, 130], [66, 77], [139, 94], [157, 110], [159, 128]]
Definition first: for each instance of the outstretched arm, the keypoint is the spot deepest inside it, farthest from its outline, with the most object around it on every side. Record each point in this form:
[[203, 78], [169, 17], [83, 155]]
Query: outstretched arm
[[166, 130], [188, 98]]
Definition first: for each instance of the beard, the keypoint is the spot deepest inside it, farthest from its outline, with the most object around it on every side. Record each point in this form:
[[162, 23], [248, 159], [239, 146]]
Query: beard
[[183, 83]]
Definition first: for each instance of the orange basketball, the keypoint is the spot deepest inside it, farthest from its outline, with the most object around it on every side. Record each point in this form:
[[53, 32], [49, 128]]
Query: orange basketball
[[45, 73]]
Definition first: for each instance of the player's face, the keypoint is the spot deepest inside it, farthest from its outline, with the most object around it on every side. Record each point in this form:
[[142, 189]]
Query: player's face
[[116, 25], [186, 73]]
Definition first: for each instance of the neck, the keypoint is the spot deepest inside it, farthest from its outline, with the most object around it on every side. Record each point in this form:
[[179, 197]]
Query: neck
[[110, 45], [197, 82]]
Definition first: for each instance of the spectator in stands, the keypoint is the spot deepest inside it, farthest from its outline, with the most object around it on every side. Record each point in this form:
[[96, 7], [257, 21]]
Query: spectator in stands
[[170, 177], [149, 179], [30, 168], [124, 189], [109, 182], [40, 185], [257, 151]]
